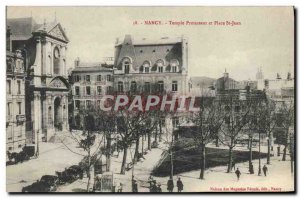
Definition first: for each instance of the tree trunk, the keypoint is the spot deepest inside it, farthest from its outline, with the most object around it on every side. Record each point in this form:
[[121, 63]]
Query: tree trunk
[[124, 161], [149, 140], [285, 146], [203, 158], [269, 148], [156, 133], [284, 153], [160, 132], [217, 140], [89, 171], [229, 160], [136, 153], [171, 160], [142, 145], [108, 152], [250, 150]]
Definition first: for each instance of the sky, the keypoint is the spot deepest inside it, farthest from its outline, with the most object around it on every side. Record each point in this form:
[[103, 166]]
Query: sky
[[264, 39]]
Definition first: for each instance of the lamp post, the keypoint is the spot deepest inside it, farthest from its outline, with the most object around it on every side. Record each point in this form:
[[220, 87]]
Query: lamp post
[[268, 155], [292, 152], [259, 161]]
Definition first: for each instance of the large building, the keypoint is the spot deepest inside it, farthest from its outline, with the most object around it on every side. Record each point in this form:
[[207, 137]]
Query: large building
[[44, 47], [15, 98], [154, 66], [90, 82]]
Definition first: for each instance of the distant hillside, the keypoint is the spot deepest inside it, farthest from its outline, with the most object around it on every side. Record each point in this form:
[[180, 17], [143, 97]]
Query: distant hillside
[[202, 81]]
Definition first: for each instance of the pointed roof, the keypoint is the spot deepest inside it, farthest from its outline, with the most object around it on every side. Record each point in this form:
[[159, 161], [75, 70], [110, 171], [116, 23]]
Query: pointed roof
[[22, 28]]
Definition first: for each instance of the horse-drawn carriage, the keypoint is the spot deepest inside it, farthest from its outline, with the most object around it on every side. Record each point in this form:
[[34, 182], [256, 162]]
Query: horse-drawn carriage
[[70, 174], [23, 155], [47, 183]]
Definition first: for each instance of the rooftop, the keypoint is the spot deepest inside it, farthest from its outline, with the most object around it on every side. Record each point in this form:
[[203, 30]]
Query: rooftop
[[158, 41]]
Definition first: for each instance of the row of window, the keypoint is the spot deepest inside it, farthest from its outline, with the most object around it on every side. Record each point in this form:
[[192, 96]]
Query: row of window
[[87, 78], [87, 103], [9, 84], [160, 69], [147, 86], [146, 67], [88, 90]]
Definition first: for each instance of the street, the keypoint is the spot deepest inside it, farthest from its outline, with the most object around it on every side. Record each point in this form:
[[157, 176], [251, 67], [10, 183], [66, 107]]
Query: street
[[61, 156]]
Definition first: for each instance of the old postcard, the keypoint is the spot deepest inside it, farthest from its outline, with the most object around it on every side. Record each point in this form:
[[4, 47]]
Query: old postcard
[[150, 99]]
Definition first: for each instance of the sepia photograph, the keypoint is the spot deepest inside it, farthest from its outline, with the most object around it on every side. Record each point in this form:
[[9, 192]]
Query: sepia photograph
[[156, 99]]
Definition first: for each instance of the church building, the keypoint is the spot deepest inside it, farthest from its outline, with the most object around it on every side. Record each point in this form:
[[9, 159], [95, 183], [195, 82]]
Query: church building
[[44, 48]]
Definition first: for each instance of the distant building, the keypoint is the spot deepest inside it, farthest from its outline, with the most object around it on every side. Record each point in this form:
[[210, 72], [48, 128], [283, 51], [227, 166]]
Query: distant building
[[15, 97], [44, 47], [227, 83], [278, 89], [90, 82]]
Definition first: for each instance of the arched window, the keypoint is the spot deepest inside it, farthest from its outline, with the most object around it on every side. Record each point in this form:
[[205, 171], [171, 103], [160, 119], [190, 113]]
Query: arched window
[[174, 65], [146, 66], [49, 63], [56, 57], [160, 66], [56, 61], [126, 65]]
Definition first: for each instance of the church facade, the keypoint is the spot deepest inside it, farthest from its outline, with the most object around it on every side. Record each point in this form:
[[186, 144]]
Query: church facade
[[44, 48]]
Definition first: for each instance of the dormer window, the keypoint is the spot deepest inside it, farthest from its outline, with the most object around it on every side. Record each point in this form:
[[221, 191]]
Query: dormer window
[[146, 66], [174, 65], [160, 66], [126, 65]]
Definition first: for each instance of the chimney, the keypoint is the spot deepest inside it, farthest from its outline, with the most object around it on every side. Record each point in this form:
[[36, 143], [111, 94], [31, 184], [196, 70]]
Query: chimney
[[289, 77], [127, 40], [77, 62], [226, 75]]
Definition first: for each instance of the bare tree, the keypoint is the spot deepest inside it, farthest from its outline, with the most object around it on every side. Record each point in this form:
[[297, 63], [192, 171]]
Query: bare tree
[[267, 123], [128, 124], [88, 141], [106, 123], [207, 122], [235, 119], [285, 119]]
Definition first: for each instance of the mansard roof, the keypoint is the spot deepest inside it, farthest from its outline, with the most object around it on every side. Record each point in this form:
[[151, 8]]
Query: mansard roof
[[142, 50], [92, 68]]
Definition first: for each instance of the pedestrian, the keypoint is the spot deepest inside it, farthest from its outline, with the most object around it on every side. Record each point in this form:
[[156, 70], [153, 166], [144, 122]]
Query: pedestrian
[[154, 187], [120, 187], [179, 185], [170, 185], [134, 186], [251, 168], [159, 188], [265, 169], [150, 181], [238, 174]]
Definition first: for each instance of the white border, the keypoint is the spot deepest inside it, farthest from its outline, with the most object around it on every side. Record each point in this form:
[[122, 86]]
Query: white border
[[5, 3]]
